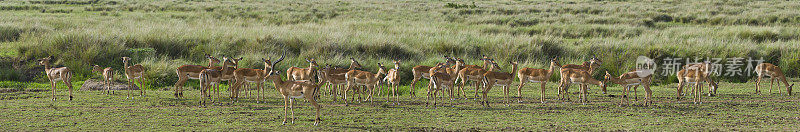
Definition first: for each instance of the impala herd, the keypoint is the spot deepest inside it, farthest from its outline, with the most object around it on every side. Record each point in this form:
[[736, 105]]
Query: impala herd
[[446, 80]]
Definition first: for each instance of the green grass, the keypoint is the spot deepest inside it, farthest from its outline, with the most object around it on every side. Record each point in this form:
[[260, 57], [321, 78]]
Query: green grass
[[735, 108]]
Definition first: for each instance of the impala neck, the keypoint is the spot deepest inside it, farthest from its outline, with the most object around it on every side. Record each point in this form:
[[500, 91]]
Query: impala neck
[[276, 80], [513, 70], [46, 66], [551, 69]]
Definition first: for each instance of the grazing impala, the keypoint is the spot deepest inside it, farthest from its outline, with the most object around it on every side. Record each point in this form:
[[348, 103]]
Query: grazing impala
[[421, 71], [696, 74], [392, 81], [108, 76], [767, 69], [211, 78], [335, 77], [291, 90], [187, 72], [363, 78], [493, 78], [62, 74], [536, 76], [467, 74], [134, 73], [258, 76], [632, 79], [580, 77], [711, 84], [439, 81]]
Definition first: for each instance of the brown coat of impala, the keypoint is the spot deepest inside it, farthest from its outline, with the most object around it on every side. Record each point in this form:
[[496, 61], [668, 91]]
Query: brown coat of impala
[[536, 76], [589, 66], [303, 74], [697, 75], [496, 78], [363, 78], [107, 76], [134, 73], [291, 90], [187, 72], [774, 73], [580, 77], [467, 74], [62, 74], [421, 71], [393, 82], [335, 77], [440, 81], [211, 78], [258, 76], [632, 79]]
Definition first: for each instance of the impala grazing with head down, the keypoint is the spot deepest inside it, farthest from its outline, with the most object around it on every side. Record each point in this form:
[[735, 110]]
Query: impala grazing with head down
[[134, 73], [695, 74], [108, 76], [536, 76], [774, 73], [62, 74]]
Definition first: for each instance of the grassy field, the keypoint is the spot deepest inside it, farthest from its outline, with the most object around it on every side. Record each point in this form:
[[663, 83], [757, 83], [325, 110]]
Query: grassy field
[[735, 108]]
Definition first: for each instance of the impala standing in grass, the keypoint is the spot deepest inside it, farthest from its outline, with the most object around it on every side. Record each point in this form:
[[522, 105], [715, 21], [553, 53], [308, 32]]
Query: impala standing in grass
[[108, 76], [580, 77], [134, 74], [363, 78], [187, 72], [767, 69], [540, 76], [503, 79], [62, 74], [421, 71], [632, 79]]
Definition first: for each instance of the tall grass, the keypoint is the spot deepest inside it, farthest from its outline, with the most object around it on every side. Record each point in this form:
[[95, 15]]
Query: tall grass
[[163, 35]]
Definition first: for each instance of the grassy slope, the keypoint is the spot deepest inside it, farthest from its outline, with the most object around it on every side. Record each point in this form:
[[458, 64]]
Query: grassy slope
[[734, 109]]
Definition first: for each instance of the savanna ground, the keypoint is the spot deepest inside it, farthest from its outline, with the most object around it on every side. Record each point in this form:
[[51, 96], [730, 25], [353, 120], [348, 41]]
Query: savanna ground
[[162, 35], [735, 108]]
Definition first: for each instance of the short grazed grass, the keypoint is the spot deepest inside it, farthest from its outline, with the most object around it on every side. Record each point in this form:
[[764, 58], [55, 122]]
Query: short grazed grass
[[735, 108]]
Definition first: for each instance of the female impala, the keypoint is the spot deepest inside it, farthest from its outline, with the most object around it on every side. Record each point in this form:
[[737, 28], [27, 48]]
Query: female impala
[[211, 78], [62, 74], [467, 74], [363, 78], [303, 74], [291, 90], [187, 72], [767, 69], [393, 81], [632, 79], [711, 84], [421, 71], [694, 75], [536, 76], [335, 77], [589, 66], [108, 76], [439, 81], [258, 76], [580, 77], [134, 73], [503, 79]]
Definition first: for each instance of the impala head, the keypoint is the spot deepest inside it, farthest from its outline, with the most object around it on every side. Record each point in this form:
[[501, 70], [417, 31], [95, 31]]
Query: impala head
[[125, 59], [607, 77], [354, 63], [228, 62], [212, 60], [594, 62], [272, 70], [396, 64], [382, 69], [554, 62], [235, 61], [450, 61], [44, 61], [494, 64], [312, 63], [97, 68]]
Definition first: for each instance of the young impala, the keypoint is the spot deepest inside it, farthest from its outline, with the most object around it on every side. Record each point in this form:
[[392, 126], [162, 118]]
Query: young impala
[[536, 76], [421, 71], [134, 74], [62, 74], [291, 90], [632, 79], [108, 76], [767, 69], [363, 78], [187, 72], [392, 81], [210, 79], [580, 77], [493, 78]]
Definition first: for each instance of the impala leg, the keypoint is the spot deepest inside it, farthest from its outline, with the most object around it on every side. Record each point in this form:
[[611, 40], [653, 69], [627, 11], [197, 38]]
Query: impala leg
[[758, 81], [291, 108], [542, 99], [411, 90], [771, 83], [680, 89], [317, 107], [285, 108], [506, 90], [69, 85], [635, 95], [519, 91], [649, 93], [53, 87]]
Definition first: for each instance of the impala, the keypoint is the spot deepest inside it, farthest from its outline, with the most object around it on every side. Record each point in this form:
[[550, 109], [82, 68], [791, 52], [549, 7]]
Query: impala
[[536, 76], [421, 71], [392, 81], [580, 77], [335, 76], [363, 78], [291, 90], [258, 76], [303, 74], [589, 66], [108, 76], [187, 72], [696, 74], [134, 73], [211, 78], [62, 74], [451, 71], [467, 74], [493, 78], [440, 80], [774, 73], [711, 84], [632, 79]]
